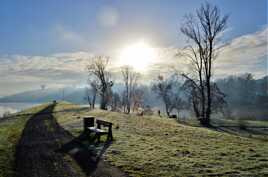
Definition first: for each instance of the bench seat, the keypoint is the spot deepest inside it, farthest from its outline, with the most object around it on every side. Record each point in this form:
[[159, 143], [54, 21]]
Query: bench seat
[[96, 130], [90, 127]]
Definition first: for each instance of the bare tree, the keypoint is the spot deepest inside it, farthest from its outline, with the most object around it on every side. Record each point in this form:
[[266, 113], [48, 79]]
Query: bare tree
[[130, 78], [163, 88], [97, 69], [115, 102], [91, 93], [203, 29], [178, 104], [138, 101], [193, 91], [94, 89]]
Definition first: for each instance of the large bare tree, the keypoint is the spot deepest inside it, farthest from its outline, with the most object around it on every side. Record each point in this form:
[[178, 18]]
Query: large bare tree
[[203, 29], [98, 72], [130, 78]]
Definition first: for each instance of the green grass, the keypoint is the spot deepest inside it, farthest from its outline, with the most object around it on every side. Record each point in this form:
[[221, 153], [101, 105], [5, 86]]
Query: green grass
[[10, 132], [153, 146]]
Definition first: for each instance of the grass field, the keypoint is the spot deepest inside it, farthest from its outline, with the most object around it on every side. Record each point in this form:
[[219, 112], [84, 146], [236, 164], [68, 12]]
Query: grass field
[[153, 146], [10, 132]]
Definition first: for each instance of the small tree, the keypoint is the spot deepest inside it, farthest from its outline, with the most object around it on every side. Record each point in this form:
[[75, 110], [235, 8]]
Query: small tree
[[91, 93], [163, 88], [167, 90], [97, 69], [138, 99], [115, 102], [178, 104], [203, 29], [130, 78]]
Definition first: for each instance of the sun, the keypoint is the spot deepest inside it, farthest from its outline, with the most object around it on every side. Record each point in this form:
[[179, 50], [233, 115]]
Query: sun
[[138, 55]]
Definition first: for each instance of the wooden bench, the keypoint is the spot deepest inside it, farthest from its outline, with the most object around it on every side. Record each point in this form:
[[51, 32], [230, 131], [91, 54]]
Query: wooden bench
[[99, 131]]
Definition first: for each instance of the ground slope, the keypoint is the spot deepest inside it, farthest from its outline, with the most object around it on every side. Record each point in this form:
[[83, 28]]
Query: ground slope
[[10, 131], [36, 154], [152, 146], [45, 149]]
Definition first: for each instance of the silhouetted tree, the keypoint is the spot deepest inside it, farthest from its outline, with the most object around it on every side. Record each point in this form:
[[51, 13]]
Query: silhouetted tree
[[167, 90], [138, 101], [98, 72], [163, 88], [130, 78], [203, 29], [91, 93], [115, 102]]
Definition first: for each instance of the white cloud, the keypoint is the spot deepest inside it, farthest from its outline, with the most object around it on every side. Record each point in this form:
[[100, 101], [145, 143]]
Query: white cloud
[[246, 53], [28, 72]]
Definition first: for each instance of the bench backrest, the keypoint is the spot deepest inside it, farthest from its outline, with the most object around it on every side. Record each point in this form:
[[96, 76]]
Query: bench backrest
[[89, 121], [104, 123]]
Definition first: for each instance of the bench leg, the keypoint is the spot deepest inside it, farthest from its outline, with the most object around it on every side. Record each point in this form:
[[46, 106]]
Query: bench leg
[[110, 136], [98, 138]]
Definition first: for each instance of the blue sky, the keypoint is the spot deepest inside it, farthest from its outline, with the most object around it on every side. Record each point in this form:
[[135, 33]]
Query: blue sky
[[50, 42], [30, 27]]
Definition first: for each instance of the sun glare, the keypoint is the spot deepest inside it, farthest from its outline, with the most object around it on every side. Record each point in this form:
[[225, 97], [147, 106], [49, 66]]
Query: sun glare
[[138, 55]]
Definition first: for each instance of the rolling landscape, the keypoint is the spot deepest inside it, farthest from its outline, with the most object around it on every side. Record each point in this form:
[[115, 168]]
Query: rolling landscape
[[133, 88]]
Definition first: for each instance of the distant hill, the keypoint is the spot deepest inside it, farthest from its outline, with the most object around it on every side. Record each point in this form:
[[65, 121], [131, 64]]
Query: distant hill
[[75, 95], [70, 94]]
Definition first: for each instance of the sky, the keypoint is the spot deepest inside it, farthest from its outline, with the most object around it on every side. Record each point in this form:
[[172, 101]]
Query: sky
[[50, 42]]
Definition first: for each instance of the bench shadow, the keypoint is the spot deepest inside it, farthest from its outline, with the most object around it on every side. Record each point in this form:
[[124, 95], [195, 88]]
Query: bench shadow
[[48, 142], [85, 151]]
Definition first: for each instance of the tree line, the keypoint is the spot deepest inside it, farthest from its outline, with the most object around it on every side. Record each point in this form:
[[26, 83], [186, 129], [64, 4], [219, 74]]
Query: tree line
[[194, 90]]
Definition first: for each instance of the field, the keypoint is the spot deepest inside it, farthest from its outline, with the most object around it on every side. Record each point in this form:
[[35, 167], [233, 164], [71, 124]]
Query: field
[[10, 132], [153, 146]]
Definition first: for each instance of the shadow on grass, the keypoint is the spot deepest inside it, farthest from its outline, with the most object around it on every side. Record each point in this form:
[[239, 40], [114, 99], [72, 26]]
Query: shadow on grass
[[35, 150], [43, 144], [85, 151]]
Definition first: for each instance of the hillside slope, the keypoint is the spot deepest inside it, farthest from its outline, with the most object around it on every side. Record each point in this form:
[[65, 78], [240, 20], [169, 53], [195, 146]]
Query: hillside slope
[[10, 133], [153, 146]]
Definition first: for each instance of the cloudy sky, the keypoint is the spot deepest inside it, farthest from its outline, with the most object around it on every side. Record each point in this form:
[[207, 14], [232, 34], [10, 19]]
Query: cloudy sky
[[50, 42]]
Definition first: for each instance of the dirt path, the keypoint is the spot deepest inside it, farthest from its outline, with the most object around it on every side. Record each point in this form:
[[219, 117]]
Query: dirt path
[[39, 152]]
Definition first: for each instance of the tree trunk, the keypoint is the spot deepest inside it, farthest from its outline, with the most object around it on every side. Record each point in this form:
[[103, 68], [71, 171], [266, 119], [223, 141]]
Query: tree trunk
[[197, 114], [167, 111], [93, 101], [208, 110], [128, 108], [202, 95], [205, 122], [103, 104], [89, 102]]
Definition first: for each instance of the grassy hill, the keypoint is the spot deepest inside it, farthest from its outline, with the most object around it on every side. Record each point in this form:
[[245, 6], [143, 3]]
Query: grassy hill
[[10, 132], [153, 146]]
